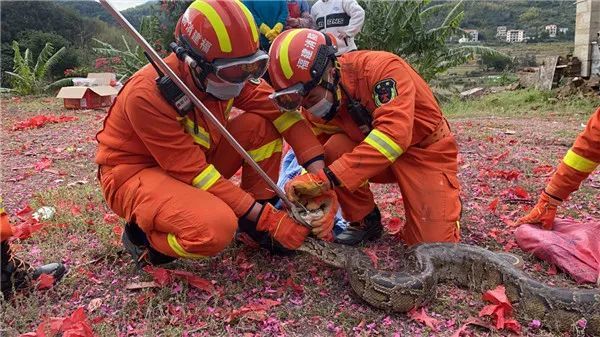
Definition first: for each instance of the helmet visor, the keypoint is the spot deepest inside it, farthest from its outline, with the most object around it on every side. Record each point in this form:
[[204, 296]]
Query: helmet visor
[[289, 99], [241, 69]]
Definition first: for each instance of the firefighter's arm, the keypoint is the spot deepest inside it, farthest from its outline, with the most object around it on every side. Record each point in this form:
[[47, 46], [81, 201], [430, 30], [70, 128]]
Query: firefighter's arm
[[579, 161], [176, 153], [357, 17], [394, 94], [254, 98]]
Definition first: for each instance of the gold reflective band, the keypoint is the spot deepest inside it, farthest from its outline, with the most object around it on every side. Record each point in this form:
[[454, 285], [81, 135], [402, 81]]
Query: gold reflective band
[[202, 137], [172, 240], [267, 150], [284, 57], [579, 163], [325, 128], [384, 144], [250, 19], [216, 22], [286, 120], [206, 178]]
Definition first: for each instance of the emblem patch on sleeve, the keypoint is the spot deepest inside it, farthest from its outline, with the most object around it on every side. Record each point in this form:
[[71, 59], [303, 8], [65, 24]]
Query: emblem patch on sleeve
[[384, 91]]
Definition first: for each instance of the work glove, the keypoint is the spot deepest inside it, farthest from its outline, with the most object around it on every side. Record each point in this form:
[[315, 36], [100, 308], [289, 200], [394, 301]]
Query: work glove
[[278, 28], [282, 227], [271, 35], [307, 186], [543, 212], [328, 204], [264, 29]]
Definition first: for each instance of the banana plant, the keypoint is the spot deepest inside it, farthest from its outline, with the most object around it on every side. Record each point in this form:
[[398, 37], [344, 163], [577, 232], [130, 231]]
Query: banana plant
[[28, 78], [414, 30]]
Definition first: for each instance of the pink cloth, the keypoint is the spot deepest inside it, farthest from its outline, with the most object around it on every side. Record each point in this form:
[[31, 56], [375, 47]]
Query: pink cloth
[[572, 246]]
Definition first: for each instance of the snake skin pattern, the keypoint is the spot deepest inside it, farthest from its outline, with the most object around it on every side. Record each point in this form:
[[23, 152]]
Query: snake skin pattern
[[472, 267]]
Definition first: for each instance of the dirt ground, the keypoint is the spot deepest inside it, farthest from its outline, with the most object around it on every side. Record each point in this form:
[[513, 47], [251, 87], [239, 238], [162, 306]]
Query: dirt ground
[[253, 293]]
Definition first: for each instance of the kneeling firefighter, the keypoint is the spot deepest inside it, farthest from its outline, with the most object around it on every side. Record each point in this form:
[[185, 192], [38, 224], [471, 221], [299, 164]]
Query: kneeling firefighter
[[379, 122], [165, 169]]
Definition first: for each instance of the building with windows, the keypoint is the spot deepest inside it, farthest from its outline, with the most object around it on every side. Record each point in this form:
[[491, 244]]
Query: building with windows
[[515, 35], [469, 35], [501, 32], [552, 30]]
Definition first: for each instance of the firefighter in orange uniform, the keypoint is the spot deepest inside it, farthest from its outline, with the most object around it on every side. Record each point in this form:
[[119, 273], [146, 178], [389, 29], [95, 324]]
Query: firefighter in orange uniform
[[166, 171], [581, 160], [380, 123], [15, 273]]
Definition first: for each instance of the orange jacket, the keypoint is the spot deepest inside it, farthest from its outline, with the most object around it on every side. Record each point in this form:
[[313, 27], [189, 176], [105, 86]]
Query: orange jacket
[[143, 130], [403, 107], [581, 160]]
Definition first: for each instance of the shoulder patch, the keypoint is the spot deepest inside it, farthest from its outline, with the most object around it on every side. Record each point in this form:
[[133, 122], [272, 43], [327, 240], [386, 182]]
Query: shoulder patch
[[255, 81], [384, 91]]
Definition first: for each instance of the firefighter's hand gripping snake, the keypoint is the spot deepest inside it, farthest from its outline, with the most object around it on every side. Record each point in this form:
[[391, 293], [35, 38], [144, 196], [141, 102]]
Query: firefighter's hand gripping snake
[[468, 266]]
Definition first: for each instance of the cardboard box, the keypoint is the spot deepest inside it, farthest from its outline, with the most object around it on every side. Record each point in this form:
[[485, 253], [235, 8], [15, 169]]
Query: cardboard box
[[99, 95]]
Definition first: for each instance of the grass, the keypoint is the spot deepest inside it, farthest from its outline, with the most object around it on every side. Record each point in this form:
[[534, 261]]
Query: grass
[[521, 103]]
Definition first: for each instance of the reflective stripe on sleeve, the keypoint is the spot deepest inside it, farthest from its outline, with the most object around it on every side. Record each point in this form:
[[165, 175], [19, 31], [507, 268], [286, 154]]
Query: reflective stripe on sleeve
[[286, 120], [267, 150], [384, 144], [174, 244], [579, 163], [206, 178], [202, 137]]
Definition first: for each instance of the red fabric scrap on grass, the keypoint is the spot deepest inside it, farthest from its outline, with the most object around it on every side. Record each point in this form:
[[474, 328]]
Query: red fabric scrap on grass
[[572, 246]]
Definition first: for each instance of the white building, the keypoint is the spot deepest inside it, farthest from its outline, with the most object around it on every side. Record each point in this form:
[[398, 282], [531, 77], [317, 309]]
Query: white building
[[501, 32], [551, 29], [469, 35], [515, 35]]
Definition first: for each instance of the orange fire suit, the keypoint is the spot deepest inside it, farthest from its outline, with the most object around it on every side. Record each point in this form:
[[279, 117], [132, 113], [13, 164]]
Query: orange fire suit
[[171, 178], [410, 144], [581, 160], [6, 230]]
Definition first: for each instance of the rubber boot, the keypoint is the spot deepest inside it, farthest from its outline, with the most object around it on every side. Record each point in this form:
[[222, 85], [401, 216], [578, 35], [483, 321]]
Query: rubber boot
[[137, 245], [17, 274], [370, 228], [263, 239]]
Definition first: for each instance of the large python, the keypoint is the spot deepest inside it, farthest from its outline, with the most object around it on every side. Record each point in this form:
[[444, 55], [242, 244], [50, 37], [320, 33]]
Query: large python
[[472, 267]]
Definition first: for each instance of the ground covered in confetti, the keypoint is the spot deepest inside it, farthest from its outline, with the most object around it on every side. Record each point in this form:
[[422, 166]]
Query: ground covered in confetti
[[507, 153]]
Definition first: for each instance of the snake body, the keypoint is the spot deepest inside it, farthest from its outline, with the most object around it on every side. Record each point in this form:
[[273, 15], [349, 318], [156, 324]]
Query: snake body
[[472, 267]]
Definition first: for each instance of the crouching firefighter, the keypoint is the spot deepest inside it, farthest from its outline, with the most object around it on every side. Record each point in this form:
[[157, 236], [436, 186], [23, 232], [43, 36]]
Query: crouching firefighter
[[578, 163], [166, 170], [379, 122], [15, 273]]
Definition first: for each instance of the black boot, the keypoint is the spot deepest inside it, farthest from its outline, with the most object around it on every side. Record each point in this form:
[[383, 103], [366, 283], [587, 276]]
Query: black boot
[[263, 239], [17, 274], [370, 228], [137, 245]]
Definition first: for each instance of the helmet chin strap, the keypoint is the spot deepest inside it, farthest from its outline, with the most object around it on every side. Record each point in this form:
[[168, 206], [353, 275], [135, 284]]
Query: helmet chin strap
[[334, 89]]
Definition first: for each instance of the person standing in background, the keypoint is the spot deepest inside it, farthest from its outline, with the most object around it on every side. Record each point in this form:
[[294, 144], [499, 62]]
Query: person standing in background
[[341, 18], [270, 17], [299, 14]]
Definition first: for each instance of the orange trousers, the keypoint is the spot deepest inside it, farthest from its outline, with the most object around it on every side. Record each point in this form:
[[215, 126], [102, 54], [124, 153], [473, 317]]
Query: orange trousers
[[181, 220], [6, 230], [427, 181]]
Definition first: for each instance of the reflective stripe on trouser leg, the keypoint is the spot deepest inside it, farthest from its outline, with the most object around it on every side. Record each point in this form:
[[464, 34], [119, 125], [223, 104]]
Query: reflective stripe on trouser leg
[[579, 163], [174, 244]]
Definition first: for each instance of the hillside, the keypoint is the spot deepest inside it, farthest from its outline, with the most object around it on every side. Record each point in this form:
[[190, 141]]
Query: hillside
[[529, 15]]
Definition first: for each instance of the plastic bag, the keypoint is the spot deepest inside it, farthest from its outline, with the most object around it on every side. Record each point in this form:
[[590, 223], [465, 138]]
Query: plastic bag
[[572, 246]]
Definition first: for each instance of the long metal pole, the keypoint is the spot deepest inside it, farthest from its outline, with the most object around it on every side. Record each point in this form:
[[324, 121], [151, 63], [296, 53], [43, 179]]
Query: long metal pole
[[207, 114]]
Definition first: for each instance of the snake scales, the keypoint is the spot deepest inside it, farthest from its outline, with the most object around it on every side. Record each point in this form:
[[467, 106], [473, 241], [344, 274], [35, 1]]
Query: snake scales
[[467, 266]]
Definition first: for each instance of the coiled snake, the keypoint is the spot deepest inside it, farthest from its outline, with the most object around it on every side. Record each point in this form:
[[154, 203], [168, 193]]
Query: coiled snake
[[476, 268]]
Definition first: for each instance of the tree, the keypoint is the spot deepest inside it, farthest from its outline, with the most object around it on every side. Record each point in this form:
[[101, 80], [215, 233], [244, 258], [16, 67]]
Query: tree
[[410, 30], [35, 41], [27, 78], [497, 62]]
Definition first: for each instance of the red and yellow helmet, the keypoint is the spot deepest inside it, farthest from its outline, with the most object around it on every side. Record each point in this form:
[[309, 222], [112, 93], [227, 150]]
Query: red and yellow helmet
[[216, 29], [299, 56], [221, 35], [298, 60]]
